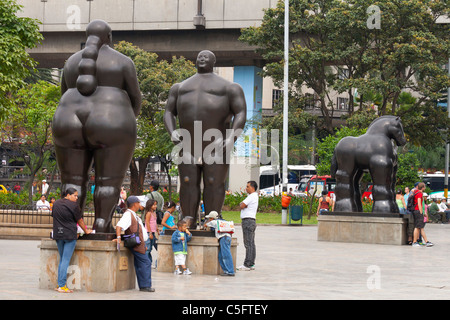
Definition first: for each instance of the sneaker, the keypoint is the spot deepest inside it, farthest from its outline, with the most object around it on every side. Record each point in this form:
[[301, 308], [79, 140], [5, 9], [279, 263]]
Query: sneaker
[[252, 267], [244, 268], [429, 244], [416, 244], [147, 289], [64, 289], [187, 272], [226, 274], [177, 271]]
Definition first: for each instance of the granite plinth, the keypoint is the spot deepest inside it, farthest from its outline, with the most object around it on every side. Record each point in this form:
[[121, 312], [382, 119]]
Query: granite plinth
[[96, 266], [362, 227], [202, 257]]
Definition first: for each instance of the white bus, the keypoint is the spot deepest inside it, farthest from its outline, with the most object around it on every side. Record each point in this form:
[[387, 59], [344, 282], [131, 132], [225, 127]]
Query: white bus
[[270, 178]]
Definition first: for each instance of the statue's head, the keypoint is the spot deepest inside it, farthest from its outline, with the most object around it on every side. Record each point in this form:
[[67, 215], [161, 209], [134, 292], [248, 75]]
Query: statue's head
[[100, 29], [205, 61]]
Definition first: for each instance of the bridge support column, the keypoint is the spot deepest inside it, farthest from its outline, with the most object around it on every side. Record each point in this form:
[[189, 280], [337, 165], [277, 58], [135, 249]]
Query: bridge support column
[[245, 162]]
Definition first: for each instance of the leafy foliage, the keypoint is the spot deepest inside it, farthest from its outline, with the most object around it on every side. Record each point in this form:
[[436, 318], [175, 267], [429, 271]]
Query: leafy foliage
[[28, 128], [17, 34], [406, 53]]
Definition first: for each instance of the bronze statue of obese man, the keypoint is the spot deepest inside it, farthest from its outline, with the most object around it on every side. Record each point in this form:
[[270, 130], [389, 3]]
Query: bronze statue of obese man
[[206, 105]]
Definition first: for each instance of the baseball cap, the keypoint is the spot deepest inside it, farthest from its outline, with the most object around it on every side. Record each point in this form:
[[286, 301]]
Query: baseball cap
[[132, 199], [212, 214]]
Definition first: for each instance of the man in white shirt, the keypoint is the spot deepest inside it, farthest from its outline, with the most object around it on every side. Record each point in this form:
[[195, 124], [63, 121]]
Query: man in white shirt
[[44, 187], [142, 264], [444, 208], [249, 208], [43, 204]]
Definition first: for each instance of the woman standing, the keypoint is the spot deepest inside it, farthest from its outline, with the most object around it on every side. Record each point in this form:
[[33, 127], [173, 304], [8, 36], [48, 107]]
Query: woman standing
[[401, 203], [325, 203], [66, 215], [151, 226]]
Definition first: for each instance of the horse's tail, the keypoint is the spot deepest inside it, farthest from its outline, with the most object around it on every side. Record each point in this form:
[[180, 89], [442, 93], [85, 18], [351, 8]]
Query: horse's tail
[[334, 165]]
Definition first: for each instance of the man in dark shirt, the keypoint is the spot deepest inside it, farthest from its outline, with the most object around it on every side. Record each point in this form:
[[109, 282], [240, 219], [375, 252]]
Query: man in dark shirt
[[66, 215]]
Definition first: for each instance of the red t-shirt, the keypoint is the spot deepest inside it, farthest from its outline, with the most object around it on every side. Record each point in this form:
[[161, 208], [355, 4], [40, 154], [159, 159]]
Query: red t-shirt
[[417, 195]]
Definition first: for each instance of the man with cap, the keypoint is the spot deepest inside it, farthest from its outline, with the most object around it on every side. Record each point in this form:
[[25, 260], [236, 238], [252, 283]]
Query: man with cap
[[129, 223], [225, 257]]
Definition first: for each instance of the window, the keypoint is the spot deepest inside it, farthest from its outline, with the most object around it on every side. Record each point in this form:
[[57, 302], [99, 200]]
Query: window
[[276, 95], [343, 73], [342, 103], [309, 101]]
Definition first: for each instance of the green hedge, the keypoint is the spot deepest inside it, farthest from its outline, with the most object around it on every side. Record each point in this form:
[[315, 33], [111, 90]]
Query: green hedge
[[231, 203]]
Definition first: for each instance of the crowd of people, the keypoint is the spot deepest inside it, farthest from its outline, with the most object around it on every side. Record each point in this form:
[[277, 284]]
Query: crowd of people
[[68, 223], [153, 222]]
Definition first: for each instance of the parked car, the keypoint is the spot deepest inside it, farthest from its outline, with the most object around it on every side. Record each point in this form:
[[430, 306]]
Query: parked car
[[315, 182]]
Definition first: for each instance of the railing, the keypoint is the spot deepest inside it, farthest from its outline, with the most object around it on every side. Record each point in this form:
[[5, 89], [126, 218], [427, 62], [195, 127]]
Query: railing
[[26, 214]]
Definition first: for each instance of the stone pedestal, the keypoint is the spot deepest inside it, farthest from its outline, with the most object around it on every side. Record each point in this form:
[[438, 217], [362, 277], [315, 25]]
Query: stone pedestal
[[362, 228], [202, 257], [96, 266]]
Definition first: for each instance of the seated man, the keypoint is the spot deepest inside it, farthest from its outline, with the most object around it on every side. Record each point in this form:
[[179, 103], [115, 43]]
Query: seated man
[[43, 204], [444, 209], [435, 215]]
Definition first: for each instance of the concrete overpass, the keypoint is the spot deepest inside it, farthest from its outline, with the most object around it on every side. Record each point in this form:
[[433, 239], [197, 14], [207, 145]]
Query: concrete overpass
[[166, 27]]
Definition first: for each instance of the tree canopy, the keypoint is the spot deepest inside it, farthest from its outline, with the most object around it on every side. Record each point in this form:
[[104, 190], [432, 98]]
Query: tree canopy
[[17, 34], [405, 51]]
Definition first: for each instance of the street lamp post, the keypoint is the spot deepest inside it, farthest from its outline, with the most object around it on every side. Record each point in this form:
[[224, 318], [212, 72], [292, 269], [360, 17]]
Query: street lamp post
[[285, 105]]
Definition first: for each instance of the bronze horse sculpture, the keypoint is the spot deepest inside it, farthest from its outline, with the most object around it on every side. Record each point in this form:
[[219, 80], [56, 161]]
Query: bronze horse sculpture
[[373, 152]]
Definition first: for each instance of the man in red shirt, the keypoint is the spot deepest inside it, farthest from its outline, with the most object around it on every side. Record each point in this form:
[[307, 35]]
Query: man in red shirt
[[418, 214]]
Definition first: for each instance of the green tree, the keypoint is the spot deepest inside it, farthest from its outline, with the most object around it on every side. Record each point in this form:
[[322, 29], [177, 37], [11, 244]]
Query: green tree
[[17, 34], [406, 52], [28, 128], [155, 80], [325, 148]]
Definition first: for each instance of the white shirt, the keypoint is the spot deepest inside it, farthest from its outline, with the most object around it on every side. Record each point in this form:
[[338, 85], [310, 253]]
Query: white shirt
[[125, 222], [213, 224], [44, 188], [42, 205], [442, 206], [252, 206]]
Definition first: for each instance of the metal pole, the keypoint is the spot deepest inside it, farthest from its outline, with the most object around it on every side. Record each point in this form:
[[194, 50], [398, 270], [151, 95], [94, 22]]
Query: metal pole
[[285, 105], [447, 147]]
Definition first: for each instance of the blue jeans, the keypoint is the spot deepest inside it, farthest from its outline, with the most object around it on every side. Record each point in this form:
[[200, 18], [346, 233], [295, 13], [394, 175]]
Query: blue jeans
[[143, 268], [225, 257], [149, 244], [65, 249]]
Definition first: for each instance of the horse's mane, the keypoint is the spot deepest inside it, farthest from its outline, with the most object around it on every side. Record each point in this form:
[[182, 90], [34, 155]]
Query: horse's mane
[[381, 118]]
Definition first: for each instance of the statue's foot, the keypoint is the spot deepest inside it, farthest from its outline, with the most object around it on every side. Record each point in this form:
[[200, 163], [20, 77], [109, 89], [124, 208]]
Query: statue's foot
[[344, 205], [101, 226], [383, 206]]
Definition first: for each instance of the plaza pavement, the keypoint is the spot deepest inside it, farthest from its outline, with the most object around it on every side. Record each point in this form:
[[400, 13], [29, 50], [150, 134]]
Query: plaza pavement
[[290, 264]]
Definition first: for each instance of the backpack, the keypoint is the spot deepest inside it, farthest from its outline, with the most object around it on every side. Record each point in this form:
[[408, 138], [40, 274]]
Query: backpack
[[411, 203], [159, 213]]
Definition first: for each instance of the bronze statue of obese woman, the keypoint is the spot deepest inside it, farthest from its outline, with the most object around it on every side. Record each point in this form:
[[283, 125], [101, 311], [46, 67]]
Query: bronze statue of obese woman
[[95, 122]]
